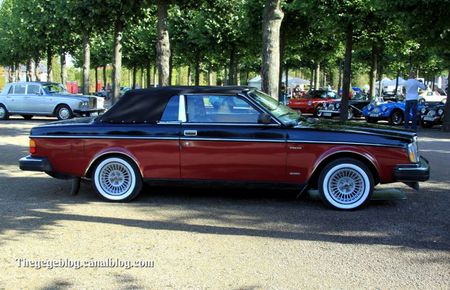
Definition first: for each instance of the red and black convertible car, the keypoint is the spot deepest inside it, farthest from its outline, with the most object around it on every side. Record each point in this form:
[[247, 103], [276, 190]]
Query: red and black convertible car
[[217, 135]]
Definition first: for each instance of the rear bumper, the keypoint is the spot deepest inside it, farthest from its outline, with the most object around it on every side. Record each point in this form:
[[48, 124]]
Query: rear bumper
[[413, 172], [326, 113], [29, 163]]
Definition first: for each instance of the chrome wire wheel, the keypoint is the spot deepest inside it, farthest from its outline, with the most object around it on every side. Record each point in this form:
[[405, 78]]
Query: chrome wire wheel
[[346, 185], [350, 114], [116, 179]]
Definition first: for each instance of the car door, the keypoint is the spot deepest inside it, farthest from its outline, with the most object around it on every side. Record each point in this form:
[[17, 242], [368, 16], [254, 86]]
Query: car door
[[15, 98], [221, 139], [33, 100]]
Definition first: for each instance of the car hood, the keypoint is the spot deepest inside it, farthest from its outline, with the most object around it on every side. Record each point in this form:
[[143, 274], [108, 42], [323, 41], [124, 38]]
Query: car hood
[[73, 96], [357, 127]]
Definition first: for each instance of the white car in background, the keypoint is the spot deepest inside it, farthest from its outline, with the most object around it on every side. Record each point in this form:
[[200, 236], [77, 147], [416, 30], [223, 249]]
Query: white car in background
[[432, 97], [30, 99]]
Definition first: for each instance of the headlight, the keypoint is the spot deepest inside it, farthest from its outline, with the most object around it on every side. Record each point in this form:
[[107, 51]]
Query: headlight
[[384, 109], [440, 112], [84, 105], [338, 106], [424, 110], [309, 103], [370, 107], [413, 151], [330, 107]]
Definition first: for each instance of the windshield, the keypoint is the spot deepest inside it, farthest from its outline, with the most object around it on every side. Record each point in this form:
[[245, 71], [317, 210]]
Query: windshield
[[283, 113], [54, 89]]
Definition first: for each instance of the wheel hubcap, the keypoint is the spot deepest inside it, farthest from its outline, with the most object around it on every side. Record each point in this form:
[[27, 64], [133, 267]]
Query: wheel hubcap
[[64, 113], [397, 119], [115, 178], [2, 112], [350, 114], [346, 186]]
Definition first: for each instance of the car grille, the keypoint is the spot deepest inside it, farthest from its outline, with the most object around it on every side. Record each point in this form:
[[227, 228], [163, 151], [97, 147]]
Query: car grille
[[92, 103], [432, 113]]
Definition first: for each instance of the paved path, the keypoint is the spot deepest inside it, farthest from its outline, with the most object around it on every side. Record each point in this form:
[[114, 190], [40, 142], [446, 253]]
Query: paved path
[[219, 240]]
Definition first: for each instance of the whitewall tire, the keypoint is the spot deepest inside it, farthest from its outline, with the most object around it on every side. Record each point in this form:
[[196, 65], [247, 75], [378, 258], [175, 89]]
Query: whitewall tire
[[346, 184], [117, 179]]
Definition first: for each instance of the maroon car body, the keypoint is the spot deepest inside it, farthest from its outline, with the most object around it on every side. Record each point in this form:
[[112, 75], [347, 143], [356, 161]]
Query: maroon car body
[[310, 103], [222, 135]]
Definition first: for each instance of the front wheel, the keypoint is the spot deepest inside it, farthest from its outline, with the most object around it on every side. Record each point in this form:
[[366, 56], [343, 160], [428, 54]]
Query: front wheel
[[346, 184], [117, 179], [396, 118], [63, 112]]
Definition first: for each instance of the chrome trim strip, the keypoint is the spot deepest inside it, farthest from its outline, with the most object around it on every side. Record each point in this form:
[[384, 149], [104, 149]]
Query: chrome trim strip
[[103, 137], [95, 158], [232, 124], [344, 143], [233, 140]]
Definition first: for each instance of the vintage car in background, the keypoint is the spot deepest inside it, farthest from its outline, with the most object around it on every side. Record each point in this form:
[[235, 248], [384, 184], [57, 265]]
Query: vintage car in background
[[432, 114], [394, 112], [30, 99], [309, 103], [355, 107], [432, 97], [218, 136]]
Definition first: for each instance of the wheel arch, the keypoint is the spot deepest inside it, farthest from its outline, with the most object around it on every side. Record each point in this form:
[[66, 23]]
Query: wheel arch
[[364, 158], [107, 154]]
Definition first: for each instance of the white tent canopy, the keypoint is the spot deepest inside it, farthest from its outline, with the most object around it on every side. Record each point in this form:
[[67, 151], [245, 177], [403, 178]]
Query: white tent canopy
[[292, 82]]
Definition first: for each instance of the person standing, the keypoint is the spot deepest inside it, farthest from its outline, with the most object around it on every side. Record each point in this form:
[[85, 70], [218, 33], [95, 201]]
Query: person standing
[[412, 88]]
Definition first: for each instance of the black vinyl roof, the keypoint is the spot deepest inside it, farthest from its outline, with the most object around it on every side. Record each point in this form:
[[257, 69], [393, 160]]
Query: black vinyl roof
[[147, 105]]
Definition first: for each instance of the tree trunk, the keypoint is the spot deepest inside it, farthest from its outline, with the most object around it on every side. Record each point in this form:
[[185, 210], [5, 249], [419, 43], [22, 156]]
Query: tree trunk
[[149, 79], [63, 72], [36, 74], [339, 76], [209, 74], [380, 77], [270, 68], [29, 73], [373, 72], [197, 70], [178, 75], [163, 43], [317, 76], [170, 69], [286, 79], [105, 79], [49, 65], [117, 60], [232, 66], [142, 77], [96, 79], [225, 77], [446, 125], [86, 62], [134, 77], [347, 72], [396, 82], [10, 74], [155, 75], [311, 80]]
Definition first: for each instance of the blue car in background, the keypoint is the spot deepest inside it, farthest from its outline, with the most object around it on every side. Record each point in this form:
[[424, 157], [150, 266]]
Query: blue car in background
[[394, 112]]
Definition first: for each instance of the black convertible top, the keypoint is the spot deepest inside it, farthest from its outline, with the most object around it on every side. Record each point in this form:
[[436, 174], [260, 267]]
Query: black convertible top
[[147, 105]]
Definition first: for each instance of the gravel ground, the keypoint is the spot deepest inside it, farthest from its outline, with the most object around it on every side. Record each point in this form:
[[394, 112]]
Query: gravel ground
[[214, 239]]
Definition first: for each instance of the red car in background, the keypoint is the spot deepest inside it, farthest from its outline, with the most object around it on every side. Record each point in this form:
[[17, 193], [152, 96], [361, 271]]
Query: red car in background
[[310, 102]]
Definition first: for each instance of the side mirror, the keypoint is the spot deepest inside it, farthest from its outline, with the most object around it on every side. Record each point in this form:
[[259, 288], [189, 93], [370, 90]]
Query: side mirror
[[264, 118]]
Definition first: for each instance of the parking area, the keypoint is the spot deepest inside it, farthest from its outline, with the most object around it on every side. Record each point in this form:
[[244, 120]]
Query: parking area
[[217, 239]]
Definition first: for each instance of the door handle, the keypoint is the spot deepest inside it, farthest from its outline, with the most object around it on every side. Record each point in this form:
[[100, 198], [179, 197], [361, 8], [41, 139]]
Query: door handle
[[190, 133]]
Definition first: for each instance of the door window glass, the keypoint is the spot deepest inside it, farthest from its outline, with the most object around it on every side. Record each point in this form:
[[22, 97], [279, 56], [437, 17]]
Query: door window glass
[[171, 111], [220, 109], [19, 89], [33, 89]]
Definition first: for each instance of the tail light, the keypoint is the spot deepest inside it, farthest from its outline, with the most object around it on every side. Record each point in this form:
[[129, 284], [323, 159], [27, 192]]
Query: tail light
[[33, 148]]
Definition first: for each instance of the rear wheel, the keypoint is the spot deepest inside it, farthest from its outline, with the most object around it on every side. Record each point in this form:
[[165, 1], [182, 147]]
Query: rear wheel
[[396, 118], [63, 112], [27, 117], [350, 114], [346, 184], [4, 115], [117, 179]]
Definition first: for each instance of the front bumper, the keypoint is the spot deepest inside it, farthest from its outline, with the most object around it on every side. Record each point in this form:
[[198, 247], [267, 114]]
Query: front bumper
[[329, 113], [29, 163], [87, 113], [413, 172]]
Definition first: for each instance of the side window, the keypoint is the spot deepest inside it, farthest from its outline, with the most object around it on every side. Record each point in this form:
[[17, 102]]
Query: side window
[[220, 109], [20, 89], [11, 90], [33, 89], [171, 111]]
